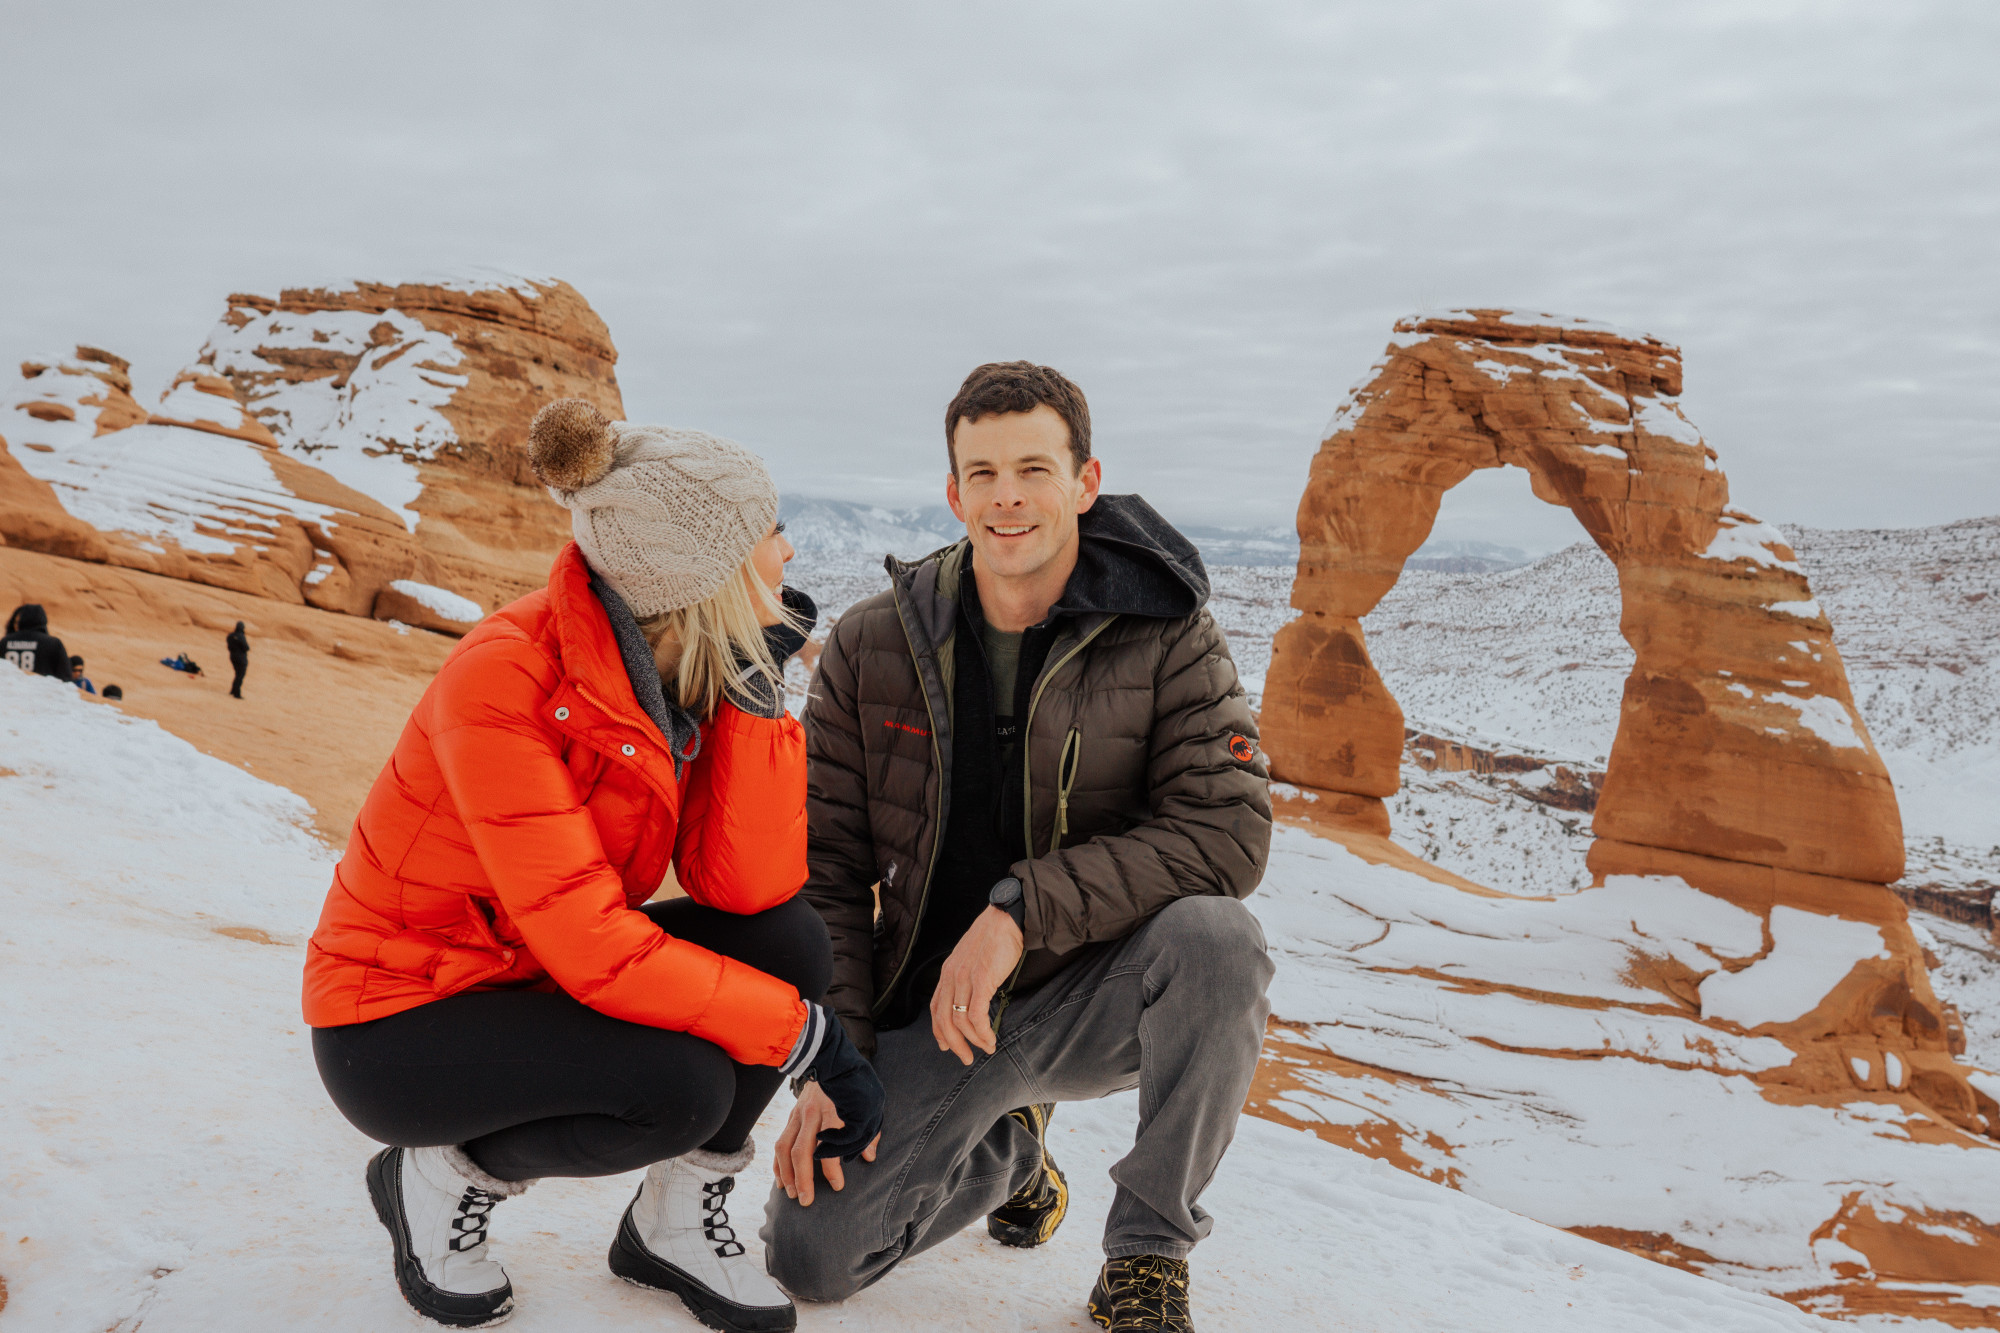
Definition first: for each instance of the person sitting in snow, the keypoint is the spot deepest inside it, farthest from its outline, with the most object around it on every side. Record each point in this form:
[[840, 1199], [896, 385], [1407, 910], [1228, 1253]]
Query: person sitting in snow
[[77, 678], [29, 645], [1035, 751], [490, 991]]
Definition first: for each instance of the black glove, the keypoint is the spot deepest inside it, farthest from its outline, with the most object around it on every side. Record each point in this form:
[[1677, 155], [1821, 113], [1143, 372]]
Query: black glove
[[849, 1081], [784, 639]]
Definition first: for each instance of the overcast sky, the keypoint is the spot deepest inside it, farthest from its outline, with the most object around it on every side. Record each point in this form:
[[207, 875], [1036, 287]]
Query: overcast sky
[[805, 222]]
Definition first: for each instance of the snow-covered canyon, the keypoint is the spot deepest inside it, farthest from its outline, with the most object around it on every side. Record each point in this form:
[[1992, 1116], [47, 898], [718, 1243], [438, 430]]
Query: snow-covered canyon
[[171, 1162]]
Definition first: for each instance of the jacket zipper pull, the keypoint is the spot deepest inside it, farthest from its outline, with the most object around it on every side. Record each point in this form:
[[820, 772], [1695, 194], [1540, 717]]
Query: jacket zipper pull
[[1072, 756]]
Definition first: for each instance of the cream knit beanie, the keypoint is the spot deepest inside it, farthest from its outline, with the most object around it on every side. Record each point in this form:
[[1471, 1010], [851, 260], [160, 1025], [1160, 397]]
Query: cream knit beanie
[[663, 515]]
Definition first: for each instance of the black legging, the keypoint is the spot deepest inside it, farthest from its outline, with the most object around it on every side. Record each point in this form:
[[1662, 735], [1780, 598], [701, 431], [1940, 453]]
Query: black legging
[[536, 1084]]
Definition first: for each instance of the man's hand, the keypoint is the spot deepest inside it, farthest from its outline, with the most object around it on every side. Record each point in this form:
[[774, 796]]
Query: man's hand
[[982, 961], [794, 1163]]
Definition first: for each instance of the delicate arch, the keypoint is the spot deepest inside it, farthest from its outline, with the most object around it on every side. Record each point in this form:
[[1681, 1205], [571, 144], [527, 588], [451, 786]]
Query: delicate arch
[[1737, 738]]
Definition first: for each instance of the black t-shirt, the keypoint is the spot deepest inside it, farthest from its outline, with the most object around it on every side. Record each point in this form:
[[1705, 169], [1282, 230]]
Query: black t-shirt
[[36, 651]]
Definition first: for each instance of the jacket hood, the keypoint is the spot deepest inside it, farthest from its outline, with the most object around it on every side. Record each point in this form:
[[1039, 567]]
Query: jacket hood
[[1132, 562], [32, 619]]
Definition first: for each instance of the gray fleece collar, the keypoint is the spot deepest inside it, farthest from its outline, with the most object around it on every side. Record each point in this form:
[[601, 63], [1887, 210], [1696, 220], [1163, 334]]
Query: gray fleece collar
[[676, 724]]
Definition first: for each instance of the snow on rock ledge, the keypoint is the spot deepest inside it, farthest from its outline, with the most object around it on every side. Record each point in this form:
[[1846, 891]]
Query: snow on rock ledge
[[195, 491], [427, 607], [326, 444], [1563, 1058], [419, 394]]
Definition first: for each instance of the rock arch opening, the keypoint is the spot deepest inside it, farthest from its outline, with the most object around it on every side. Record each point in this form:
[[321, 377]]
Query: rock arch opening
[[1500, 643]]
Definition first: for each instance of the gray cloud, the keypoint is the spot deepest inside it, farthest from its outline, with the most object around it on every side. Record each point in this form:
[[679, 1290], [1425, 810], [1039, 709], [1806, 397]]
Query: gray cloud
[[806, 222]]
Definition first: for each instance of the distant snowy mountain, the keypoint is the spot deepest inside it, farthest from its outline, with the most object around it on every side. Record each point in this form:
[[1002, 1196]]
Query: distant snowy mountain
[[819, 525], [1466, 557], [1244, 546]]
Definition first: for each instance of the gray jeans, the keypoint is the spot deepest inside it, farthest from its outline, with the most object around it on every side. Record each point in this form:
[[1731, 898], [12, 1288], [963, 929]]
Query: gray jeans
[[1175, 1009]]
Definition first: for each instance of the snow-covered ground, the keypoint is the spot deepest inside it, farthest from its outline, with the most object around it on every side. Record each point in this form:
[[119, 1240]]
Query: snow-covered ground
[[1967, 975], [1529, 1053], [170, 1161], [1476, 828]]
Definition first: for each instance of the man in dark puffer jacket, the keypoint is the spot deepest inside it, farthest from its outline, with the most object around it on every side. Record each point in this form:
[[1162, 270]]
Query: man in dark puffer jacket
[[1035, 750]]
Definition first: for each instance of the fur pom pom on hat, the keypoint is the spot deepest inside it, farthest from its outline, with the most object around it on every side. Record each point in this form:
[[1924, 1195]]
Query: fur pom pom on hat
[[664, 516]]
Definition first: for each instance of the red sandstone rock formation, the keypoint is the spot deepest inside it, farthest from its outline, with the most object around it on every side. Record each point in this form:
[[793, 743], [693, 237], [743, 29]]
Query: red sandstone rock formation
[[326, 446], [207, 498], [200, 399], [1740, 764], [1738, 691], [420, 395], [33, 519], [101, 408]]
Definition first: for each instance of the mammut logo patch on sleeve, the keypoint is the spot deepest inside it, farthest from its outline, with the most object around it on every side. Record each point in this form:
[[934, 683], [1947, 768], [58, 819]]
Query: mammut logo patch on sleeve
[[1241, 749], [894, 725]]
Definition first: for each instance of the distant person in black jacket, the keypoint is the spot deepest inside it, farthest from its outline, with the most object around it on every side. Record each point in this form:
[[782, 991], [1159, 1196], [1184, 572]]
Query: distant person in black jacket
[[29, 645], [239, 657]]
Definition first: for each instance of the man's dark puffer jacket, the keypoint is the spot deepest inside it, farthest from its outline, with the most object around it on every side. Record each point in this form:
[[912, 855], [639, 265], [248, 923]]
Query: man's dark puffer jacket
[[1166, 794]]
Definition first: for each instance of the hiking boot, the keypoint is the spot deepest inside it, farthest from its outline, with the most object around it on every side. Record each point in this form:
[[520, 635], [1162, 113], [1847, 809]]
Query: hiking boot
[[1034, 1212], [435, 1203], [1147, 1293], [676, 1236]]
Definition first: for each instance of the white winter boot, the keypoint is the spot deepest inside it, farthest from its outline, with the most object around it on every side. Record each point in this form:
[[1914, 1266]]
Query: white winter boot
[[676, 1237], [435, 1202]]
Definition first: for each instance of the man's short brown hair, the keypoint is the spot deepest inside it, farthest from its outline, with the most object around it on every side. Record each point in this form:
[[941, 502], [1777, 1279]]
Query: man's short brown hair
[[1000, 387]]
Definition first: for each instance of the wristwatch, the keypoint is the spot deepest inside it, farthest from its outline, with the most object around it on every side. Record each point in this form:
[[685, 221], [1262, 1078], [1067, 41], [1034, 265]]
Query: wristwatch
[[1006, 895]]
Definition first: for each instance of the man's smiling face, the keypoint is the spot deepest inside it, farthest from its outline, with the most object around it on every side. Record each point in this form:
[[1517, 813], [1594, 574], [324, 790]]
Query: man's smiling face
[[1017, 489]]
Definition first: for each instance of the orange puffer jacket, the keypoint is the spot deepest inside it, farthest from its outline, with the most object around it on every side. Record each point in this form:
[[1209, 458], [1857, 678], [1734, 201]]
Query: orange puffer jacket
[[529, 807]]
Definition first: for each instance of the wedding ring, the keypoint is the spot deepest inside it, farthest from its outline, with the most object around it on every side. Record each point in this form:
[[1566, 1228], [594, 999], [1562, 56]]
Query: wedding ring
[[958, 1008]]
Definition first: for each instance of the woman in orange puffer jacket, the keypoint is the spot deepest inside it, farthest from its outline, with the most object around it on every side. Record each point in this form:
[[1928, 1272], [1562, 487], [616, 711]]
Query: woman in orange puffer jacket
[[489, 989]]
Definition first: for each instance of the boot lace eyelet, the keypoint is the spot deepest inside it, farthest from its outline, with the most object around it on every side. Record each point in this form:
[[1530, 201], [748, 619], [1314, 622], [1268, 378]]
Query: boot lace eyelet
[[715, 1222], [468, 1225]]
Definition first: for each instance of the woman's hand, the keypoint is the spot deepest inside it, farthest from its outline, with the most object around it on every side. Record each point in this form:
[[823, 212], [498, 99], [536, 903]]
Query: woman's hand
[[813, 1113]]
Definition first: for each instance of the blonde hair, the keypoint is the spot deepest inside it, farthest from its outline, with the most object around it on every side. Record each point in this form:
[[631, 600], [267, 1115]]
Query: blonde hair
[[719, 642]]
